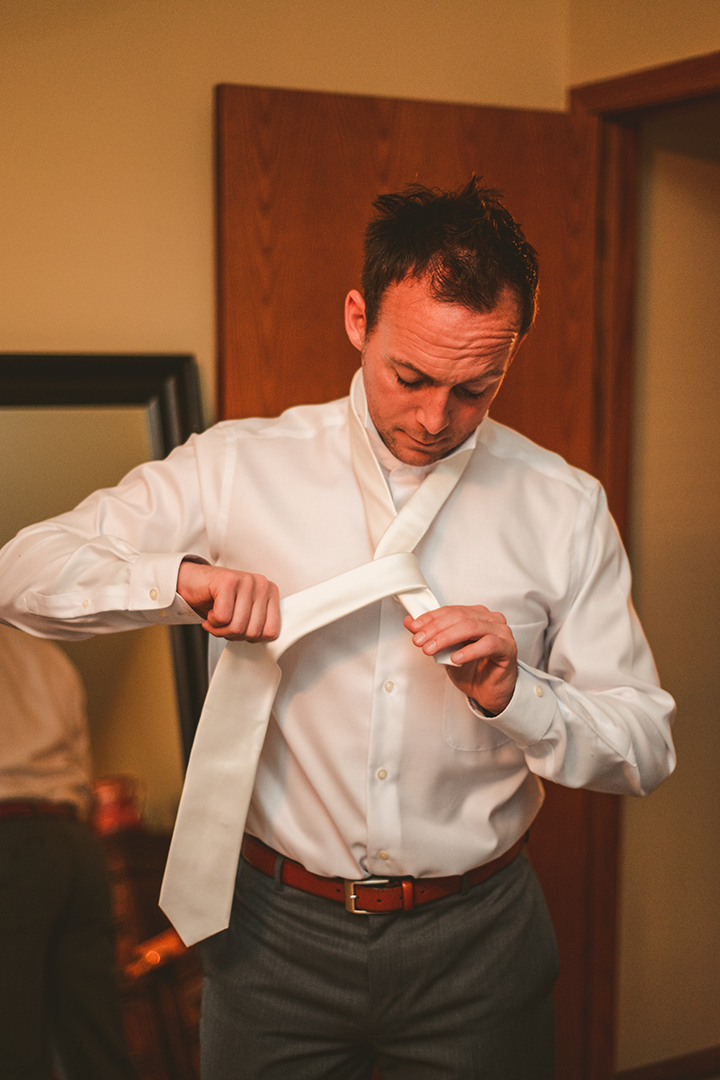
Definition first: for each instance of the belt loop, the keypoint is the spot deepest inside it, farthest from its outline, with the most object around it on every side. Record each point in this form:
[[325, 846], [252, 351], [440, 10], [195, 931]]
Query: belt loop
[[277, 876], [408, 894], [465, 887]]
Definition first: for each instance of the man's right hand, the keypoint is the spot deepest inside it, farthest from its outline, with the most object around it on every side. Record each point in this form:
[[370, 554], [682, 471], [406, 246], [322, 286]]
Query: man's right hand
[[235, 605]]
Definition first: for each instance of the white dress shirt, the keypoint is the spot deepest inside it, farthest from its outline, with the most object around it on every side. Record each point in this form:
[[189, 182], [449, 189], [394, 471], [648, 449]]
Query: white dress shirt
[[374, 762], [44, 743]]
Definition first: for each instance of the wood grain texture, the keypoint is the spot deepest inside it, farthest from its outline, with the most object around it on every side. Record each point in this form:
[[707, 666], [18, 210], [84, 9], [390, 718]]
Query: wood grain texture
[[289, 253], [615, 277], [297, 173]]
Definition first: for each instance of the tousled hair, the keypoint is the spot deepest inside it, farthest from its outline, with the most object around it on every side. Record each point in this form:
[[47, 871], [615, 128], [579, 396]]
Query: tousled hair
[[465, 243]]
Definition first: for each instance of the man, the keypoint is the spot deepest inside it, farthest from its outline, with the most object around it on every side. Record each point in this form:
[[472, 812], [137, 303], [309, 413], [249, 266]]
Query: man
[[59, 1000], [378, 762]]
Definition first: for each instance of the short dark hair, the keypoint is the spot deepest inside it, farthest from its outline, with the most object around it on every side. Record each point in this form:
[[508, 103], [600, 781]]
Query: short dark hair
[[465, 242]]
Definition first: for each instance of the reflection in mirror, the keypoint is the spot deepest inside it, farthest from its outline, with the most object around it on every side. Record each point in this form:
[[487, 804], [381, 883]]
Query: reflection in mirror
[[144, 687]]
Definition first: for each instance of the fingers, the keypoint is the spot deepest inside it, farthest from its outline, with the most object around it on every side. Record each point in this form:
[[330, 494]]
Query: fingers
[[483, 646], [246, 607], [236, 605], [474, 632]]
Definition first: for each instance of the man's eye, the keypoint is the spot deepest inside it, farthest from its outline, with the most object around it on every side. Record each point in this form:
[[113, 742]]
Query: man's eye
[[408, 385], [471, 393]]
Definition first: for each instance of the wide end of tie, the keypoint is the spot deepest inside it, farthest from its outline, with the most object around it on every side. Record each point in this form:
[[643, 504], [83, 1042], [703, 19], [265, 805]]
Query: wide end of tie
[[191, 924]]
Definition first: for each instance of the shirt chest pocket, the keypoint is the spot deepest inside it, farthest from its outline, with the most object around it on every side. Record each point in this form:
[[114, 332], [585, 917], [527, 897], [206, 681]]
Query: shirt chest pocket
[[462, 729]]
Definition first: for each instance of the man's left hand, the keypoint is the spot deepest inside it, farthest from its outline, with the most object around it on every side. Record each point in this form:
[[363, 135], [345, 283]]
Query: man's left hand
[[484, 647]]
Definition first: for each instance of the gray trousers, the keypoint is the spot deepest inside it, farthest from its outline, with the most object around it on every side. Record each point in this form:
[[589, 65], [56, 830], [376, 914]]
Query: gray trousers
[[299, 988]]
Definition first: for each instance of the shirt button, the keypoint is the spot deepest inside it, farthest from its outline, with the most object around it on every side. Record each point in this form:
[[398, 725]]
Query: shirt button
[[86, 603], [383, 855], [154, 594], [389, 686], [381, 774], [539, 691]]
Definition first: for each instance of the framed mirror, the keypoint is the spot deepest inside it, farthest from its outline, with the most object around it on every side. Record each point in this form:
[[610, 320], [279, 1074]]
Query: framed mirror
[[70, 424]]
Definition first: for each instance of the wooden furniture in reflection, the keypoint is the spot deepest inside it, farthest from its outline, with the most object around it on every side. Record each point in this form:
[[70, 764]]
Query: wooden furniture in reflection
[[160, 979]]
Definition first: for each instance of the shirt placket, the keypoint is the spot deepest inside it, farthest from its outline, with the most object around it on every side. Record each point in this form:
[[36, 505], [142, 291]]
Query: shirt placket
[[389, 711]]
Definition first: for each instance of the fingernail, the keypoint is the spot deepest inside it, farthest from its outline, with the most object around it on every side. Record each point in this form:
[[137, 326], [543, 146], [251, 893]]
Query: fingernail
[[457, 658], [419, 638]]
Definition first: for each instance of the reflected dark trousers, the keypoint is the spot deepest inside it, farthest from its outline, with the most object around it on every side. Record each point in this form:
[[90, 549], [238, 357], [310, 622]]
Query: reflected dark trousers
[[58, 994], [297, 988]]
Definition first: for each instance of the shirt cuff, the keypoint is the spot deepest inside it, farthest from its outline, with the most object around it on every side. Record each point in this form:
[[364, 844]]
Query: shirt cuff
[[153, 588], [144, 589], [529, 714]]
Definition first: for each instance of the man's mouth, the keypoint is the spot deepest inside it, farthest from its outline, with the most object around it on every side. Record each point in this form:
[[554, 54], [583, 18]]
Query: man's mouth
[[427, 443]]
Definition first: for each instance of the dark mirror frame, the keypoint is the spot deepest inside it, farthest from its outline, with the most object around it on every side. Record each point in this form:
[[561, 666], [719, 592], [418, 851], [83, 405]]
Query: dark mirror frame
[[168, 387]]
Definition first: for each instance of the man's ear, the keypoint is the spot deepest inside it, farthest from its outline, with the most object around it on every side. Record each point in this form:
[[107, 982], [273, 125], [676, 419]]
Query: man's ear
[[355, 318]]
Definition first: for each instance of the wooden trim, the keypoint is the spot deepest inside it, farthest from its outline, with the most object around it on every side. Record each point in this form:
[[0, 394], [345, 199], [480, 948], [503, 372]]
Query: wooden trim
[[219, 150], [620, 105], [666, 85], [614, 313], [702, 1065]]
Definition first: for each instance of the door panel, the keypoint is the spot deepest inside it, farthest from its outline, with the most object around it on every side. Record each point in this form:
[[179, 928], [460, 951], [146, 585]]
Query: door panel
[[297, 176], [297, 173]]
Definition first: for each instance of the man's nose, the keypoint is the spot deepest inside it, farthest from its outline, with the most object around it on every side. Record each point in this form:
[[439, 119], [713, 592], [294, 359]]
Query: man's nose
[[434, 410]]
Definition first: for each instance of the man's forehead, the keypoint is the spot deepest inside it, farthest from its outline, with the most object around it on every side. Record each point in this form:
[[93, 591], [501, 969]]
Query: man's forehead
[[402, 297]]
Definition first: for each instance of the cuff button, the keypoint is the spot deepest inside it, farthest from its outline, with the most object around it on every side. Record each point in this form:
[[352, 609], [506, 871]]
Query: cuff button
[[539, 690], [154, 594]]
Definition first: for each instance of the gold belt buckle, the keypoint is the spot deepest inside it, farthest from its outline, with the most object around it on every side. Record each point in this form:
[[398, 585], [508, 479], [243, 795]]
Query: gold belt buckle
[[351, 897]]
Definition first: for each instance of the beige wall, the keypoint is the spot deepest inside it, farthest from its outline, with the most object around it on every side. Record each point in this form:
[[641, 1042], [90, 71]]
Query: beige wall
[[613, 37], [106, 128], [106, 176], [106, 204]]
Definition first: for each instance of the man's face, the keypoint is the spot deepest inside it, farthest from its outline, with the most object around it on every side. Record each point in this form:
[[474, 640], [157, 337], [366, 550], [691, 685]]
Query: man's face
[[431, 369]]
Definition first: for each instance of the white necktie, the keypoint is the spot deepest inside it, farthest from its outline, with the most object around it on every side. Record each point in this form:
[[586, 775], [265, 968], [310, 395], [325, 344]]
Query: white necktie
[[199, 879]]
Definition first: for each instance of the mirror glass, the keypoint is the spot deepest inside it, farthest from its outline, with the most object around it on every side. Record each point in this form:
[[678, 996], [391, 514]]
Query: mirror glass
[[53, 456]]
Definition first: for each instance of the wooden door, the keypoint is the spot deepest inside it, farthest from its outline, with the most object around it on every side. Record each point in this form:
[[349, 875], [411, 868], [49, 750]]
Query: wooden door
[[297, 173]]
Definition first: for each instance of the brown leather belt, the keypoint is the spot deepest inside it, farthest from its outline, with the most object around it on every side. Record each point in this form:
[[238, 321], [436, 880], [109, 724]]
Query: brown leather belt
[[371, 896], [36, 808]]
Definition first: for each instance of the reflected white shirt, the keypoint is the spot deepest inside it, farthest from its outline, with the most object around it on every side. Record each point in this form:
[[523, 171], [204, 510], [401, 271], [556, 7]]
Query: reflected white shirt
[[374, 762], [44, 740]]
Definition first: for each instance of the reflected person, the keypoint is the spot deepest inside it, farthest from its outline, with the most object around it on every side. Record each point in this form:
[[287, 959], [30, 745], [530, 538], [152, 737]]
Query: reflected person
[[59, 1000]]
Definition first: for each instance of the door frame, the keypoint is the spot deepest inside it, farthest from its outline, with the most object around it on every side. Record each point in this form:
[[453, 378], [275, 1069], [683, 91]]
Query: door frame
[[620, 105]]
